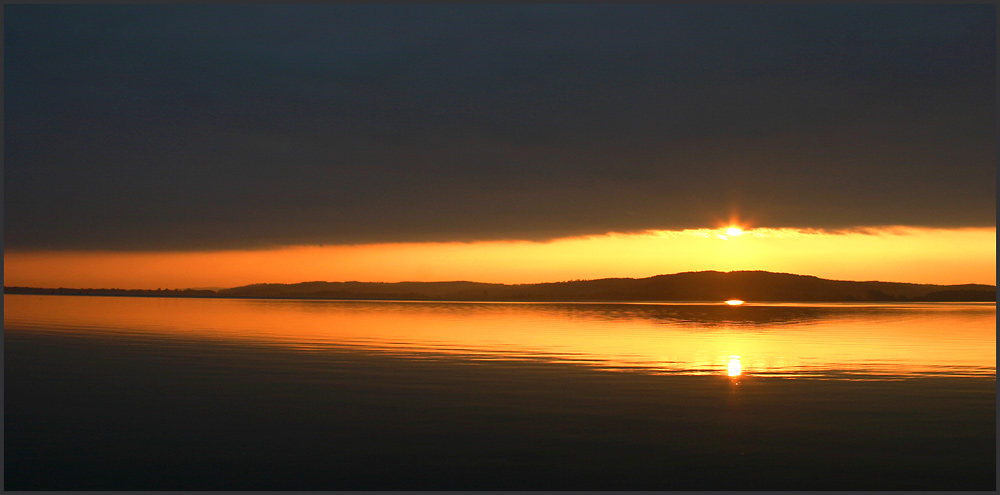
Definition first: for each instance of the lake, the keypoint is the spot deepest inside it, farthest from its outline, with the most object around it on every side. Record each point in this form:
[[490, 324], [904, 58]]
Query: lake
[[112, 393]]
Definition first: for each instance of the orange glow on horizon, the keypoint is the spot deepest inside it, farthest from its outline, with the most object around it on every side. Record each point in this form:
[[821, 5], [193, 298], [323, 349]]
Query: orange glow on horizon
[[937, 256]]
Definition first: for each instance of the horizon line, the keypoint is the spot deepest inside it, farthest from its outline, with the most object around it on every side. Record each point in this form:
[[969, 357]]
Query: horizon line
[[215, 289]]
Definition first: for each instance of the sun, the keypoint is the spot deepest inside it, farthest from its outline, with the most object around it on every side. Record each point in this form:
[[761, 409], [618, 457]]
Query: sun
[[734, 231]]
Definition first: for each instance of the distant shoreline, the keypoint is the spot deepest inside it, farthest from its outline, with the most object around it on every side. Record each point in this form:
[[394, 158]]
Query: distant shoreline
[[679, 287], [497, 301]]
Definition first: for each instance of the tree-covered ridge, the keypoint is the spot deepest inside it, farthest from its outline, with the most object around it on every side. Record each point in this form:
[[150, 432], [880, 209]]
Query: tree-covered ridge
[[687, 286]]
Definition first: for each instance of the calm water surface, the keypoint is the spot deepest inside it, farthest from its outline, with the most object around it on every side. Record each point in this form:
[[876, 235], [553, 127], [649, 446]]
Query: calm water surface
[[165, 393]]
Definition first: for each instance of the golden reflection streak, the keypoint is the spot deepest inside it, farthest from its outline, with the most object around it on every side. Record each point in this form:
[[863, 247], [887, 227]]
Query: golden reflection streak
[[925, 341]]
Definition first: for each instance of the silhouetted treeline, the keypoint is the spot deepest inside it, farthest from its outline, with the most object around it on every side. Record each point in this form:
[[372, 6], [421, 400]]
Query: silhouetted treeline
[[113, 292], [688, 286]]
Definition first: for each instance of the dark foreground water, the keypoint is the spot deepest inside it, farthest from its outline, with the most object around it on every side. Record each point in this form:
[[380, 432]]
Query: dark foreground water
[[172, 394]]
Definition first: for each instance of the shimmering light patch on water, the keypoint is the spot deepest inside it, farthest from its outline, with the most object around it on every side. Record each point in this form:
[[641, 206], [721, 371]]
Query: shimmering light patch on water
[[734, 368]]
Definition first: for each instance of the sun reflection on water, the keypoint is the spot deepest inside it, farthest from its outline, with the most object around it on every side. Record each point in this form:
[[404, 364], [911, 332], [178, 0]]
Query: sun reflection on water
[[734, 367]]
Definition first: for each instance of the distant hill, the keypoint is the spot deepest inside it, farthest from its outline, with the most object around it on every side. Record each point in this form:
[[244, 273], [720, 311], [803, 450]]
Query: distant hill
[[687, 286]]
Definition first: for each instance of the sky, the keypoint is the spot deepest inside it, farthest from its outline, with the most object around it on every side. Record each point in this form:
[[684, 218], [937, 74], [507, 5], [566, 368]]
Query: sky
[[478, 141]]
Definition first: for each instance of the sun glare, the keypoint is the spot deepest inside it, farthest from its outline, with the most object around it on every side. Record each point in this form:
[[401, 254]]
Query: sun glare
[[733, 231], [734, 302]]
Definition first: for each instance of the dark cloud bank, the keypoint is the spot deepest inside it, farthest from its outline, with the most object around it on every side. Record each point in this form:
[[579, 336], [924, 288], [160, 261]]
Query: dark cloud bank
[[191, 127]]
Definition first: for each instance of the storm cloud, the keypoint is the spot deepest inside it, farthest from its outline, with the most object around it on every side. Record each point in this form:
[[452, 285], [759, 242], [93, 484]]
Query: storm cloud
[[243, 126]]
